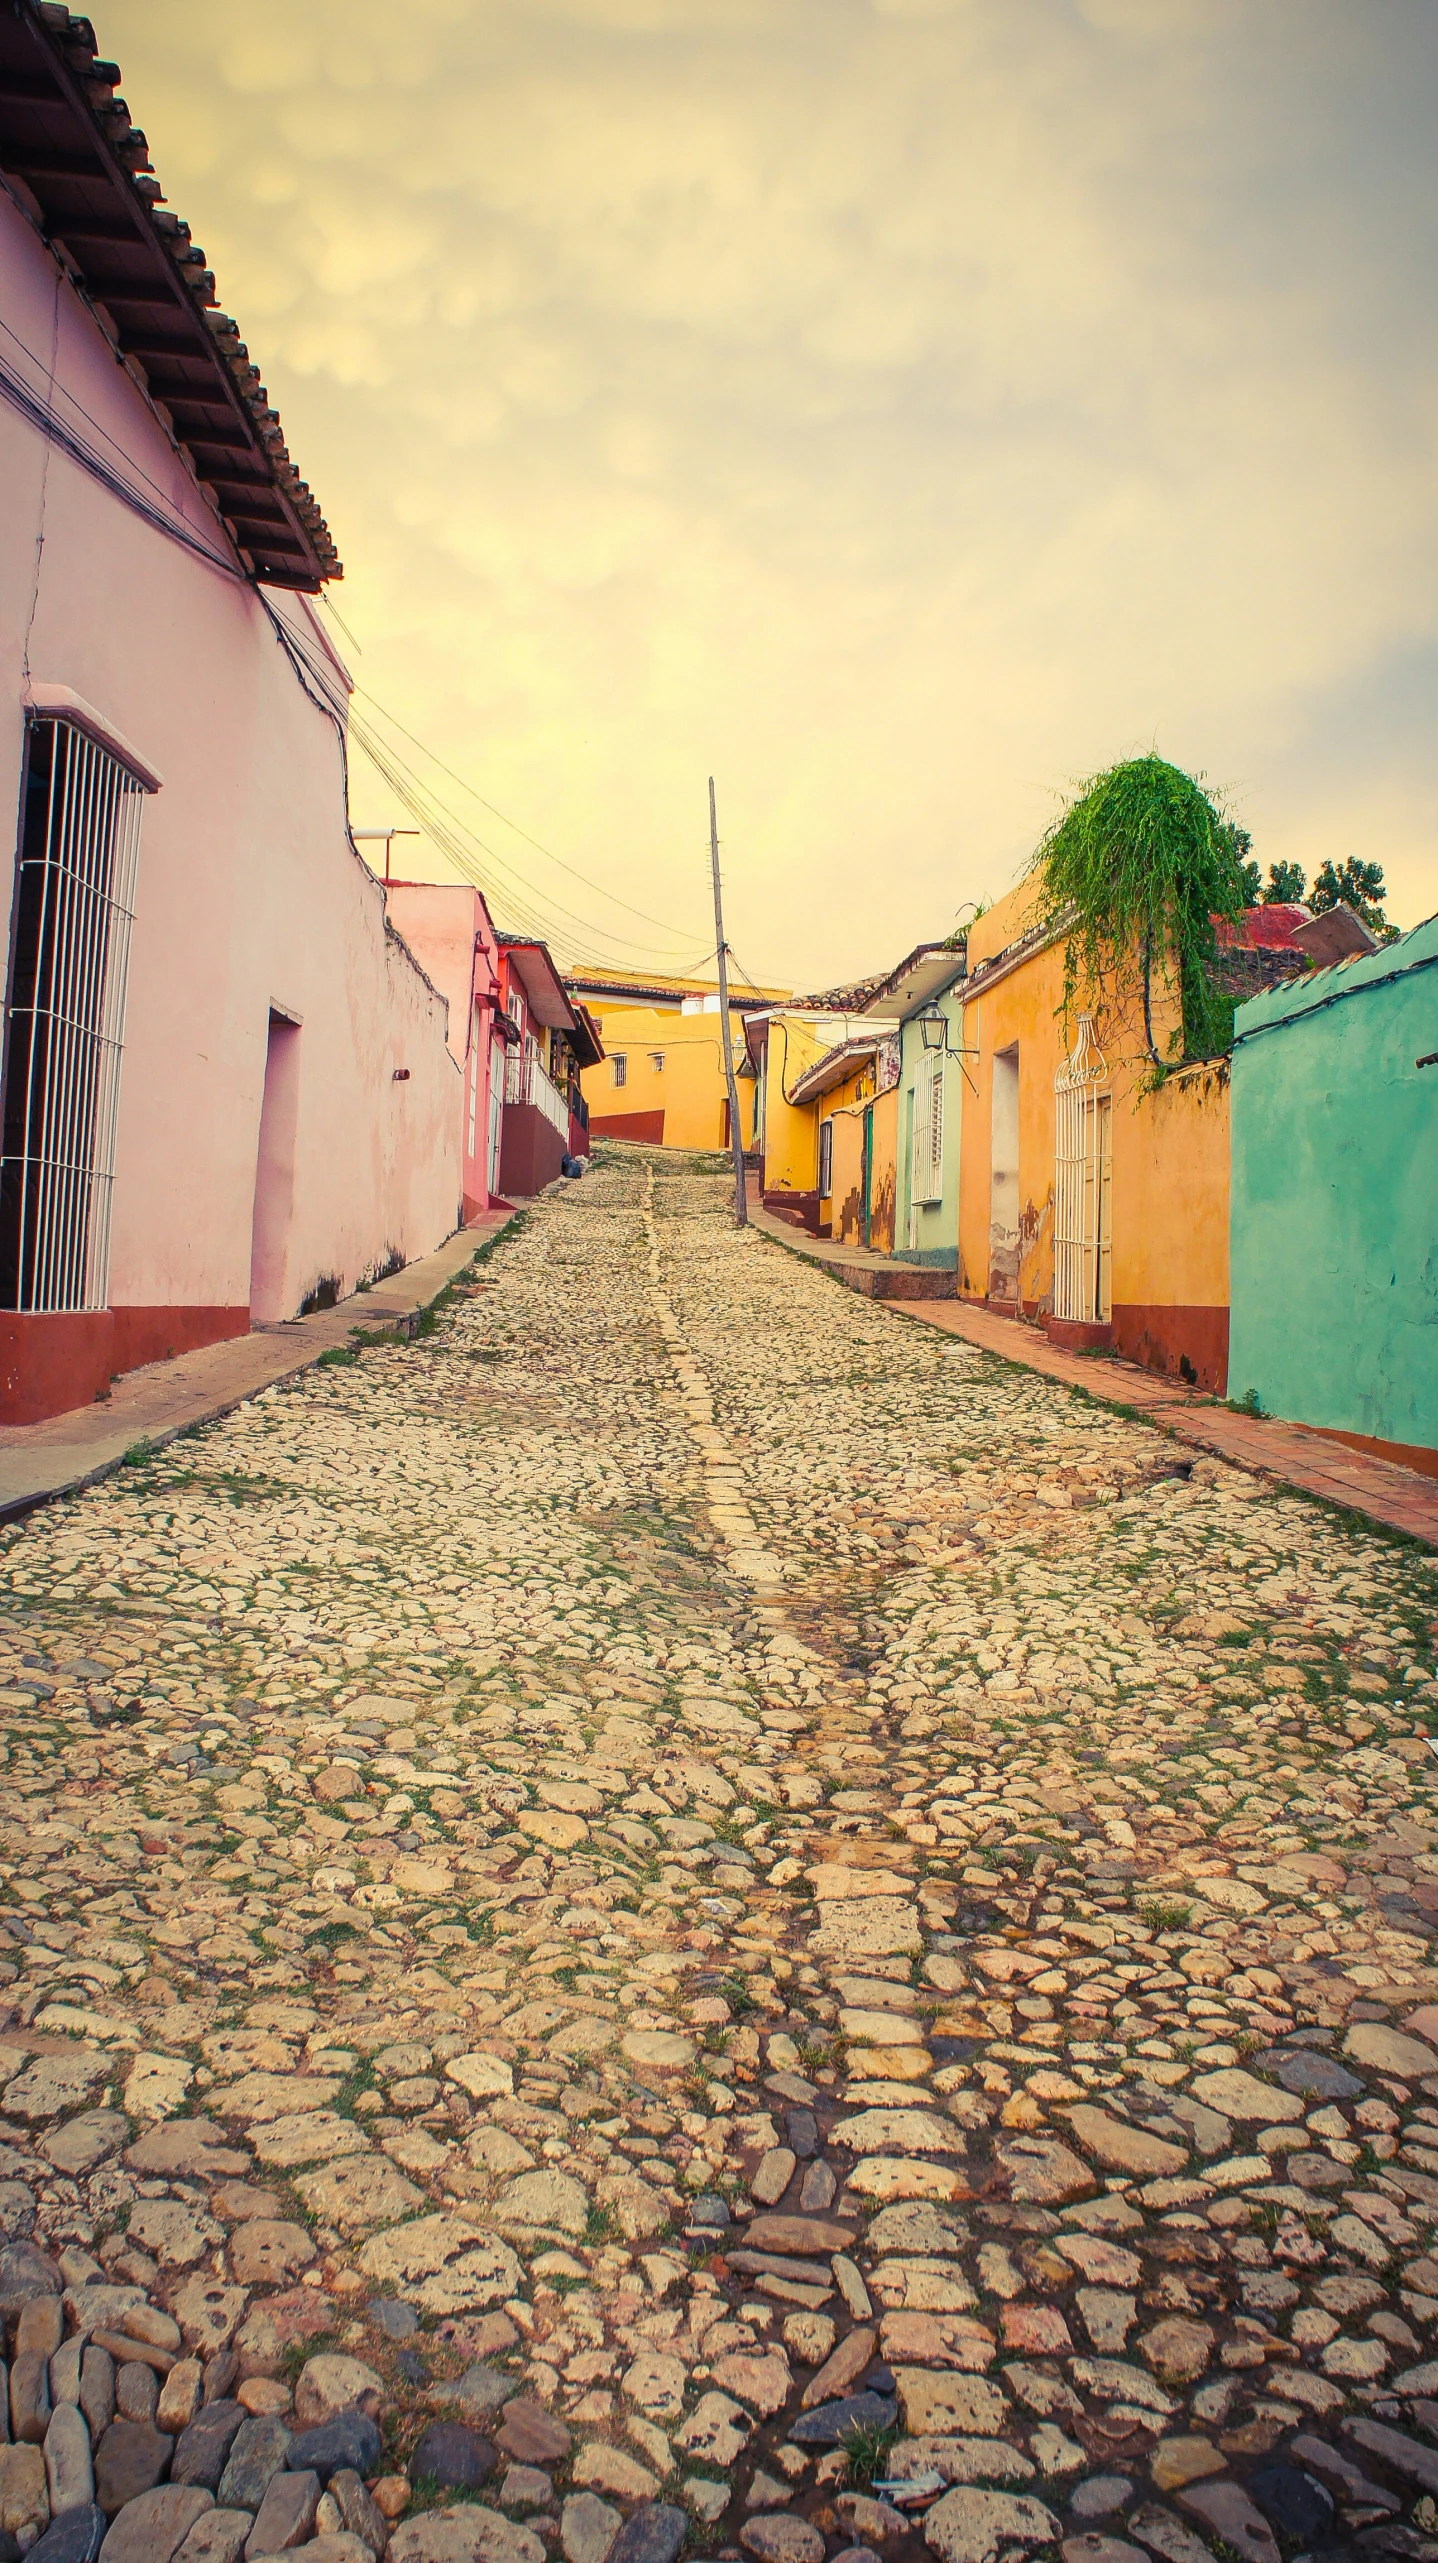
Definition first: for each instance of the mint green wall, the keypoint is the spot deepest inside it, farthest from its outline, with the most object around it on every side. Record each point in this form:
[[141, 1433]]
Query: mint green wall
[[1335, 1197], [935, 1223]]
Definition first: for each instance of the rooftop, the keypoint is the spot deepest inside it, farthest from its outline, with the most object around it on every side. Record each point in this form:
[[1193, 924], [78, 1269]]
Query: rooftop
[[834, 1067], [81, 171], [657, 987]]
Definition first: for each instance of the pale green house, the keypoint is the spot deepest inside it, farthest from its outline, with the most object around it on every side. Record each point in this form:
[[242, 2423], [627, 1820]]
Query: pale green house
[[1334, 1239], [926, 992]]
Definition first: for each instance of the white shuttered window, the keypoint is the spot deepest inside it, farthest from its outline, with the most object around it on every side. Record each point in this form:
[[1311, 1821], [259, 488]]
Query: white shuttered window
[[928, 1176]]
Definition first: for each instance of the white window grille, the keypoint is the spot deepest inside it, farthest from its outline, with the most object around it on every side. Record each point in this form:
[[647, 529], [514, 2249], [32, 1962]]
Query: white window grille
[[527, 1081], [928, 1142], [656, 1062], [1083, 1126], [70, 952], [620, 1065], [826, 1158]]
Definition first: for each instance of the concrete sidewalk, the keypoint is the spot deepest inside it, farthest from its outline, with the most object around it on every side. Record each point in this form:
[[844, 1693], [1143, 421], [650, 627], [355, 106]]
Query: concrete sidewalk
[[152, 1405], [1400, 1498]]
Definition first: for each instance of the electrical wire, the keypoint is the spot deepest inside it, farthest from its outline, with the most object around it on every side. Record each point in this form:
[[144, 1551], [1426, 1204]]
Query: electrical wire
[[72, 441], [663, 923], [458, 842]]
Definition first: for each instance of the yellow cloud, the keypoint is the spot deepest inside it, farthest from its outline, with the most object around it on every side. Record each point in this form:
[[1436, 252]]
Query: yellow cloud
[[896, 408]]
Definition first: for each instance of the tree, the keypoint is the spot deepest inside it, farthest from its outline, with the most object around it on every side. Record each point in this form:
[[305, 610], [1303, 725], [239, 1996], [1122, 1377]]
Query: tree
[[1287, 885], [1359, 886], [1143, 860]]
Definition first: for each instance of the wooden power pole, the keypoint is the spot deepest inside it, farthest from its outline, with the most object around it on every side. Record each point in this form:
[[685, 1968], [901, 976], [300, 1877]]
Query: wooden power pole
[[736, 1136]]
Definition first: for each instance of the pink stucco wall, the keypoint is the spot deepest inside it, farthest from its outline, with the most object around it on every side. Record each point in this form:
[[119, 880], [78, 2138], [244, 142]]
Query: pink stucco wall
[[450, 931], [250, 895]]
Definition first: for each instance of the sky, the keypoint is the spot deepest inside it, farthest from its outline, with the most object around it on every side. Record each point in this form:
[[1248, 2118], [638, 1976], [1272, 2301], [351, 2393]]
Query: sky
[[898, 409]]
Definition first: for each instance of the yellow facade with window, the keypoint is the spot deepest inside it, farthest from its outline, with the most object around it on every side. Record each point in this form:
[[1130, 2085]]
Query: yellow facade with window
[[1089, 1199], [661, 1080]]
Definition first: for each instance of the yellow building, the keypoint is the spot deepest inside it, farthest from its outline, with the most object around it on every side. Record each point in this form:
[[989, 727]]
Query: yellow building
[[1089, 1198], [825, 1119], [662, 1077]]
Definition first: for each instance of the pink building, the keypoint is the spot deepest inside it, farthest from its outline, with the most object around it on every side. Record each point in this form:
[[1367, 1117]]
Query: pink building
[[518, 1039], [227, 1084], [451, 934]]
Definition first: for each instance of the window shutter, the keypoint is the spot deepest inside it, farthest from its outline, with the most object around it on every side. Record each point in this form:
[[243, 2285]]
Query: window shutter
[[936, 1135]]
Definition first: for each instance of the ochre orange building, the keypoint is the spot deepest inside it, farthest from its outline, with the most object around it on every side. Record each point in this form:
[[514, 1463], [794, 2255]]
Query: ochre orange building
[[1092, 1196]]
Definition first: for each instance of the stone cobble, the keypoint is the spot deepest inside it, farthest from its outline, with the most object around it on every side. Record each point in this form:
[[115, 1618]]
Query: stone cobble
[[678, 1912]]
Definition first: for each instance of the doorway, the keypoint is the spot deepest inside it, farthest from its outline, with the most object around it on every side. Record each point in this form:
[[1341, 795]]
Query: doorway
[[1004, 1180], [275, 1174]]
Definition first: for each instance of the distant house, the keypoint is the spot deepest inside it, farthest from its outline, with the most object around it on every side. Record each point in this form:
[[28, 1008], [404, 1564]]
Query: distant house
[[554, 1039], [811, 1058], [662, 1074], [448, 928], [1335, 1188], [925, 995], [227, 1089]]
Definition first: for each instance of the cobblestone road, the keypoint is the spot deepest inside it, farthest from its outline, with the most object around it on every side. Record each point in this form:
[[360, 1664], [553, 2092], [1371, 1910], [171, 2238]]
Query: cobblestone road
[[680, 1909]]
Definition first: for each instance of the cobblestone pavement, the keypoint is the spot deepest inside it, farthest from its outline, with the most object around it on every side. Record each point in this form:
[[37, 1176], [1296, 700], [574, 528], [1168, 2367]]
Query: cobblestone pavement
[[681, 1910]]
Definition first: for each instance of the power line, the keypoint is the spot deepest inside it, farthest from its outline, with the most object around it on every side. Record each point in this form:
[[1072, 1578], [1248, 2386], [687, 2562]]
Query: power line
[[457, 841], [575, 874]]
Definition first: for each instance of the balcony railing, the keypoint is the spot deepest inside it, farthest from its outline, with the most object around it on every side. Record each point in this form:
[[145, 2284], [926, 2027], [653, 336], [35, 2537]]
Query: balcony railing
[[526, 1082]]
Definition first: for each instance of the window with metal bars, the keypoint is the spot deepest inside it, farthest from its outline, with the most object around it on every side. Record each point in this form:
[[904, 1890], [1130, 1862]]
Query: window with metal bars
[[65, 1019]]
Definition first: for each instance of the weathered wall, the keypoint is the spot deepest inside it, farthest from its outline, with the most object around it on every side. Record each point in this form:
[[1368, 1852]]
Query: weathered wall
[[1169, 1200], [884, 1181], [1023, 1009], [1334, 1241], [845, 1206], [1170, 1224], [249, 895]]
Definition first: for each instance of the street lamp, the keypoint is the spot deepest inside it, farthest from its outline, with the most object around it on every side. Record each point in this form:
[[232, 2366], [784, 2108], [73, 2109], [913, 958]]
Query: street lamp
[[933, 1026]]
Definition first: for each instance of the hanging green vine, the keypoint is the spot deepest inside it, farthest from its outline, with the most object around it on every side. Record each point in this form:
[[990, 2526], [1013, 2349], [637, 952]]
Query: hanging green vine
[[1143, 860]]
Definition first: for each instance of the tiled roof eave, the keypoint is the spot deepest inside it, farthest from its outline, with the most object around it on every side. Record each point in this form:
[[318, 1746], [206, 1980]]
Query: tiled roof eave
[[81, 171]]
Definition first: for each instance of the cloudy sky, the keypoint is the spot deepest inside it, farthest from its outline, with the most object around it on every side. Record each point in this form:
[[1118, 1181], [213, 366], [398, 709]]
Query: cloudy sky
[[898, 408]]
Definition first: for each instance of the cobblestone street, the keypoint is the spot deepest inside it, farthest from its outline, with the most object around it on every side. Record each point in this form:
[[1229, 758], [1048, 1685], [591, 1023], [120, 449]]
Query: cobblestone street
[[684, 1909]]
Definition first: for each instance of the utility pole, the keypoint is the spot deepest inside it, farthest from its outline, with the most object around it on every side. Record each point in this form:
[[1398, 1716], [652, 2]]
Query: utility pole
[[736, 1137]]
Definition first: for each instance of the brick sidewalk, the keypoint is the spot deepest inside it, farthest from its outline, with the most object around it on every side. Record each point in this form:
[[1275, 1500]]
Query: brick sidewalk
[[153, 1404], [1290, 1453]]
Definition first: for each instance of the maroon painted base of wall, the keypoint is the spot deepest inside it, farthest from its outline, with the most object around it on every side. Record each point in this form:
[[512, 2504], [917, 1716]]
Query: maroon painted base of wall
[[1072, 1336], [897, 1281], [51, 1365], [531, 1151], [645, 1126], [1184, 1343], [158, 1334], [800, 1209], [1402, 1454]]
